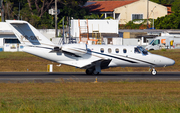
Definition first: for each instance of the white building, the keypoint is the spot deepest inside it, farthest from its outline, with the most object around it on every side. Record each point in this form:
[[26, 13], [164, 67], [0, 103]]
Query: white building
[[8, 41], [100, 25], [127, 10]]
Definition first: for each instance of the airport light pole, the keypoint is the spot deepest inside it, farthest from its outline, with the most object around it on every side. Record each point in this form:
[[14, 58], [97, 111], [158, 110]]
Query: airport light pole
[[153, 15], [63, 30], [147, 13], [153, 18], [19, 11], [56, 32], [55, 11], [2, 11]]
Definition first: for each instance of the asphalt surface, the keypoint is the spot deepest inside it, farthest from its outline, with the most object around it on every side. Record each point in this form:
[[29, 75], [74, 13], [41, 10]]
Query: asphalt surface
[[41, 77]]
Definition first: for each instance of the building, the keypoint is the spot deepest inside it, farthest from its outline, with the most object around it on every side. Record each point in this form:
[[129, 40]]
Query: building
[[128, 10], [8, 41]]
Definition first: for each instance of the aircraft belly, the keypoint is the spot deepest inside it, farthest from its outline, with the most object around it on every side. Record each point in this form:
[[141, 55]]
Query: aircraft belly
[[132, 61]]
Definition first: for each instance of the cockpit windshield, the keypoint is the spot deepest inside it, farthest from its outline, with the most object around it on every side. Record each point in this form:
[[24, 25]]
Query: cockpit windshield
[[136, 50], [143, 51]]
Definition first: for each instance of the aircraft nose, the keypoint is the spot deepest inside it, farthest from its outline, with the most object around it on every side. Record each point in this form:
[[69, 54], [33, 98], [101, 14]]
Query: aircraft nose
[[167, 61], [170, 62], [163, 61]]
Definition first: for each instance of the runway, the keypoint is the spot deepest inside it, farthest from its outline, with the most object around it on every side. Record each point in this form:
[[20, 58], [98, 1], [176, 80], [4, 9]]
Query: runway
[[41, 77]]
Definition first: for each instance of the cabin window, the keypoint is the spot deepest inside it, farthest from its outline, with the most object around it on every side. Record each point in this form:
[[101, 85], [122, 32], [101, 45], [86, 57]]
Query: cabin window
[[102, 50], [117, 50], [124, 51], [109, 50]]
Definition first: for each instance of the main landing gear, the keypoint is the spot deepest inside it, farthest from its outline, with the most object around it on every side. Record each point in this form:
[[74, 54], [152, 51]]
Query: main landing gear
[[92, 72], [95, 70], [153, 72]]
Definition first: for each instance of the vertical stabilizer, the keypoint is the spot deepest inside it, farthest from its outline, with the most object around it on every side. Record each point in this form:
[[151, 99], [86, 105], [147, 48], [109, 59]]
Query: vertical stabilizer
[[27, 34]]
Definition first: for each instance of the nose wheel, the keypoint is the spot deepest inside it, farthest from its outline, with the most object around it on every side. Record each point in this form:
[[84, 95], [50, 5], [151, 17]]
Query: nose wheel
[[153, 72]]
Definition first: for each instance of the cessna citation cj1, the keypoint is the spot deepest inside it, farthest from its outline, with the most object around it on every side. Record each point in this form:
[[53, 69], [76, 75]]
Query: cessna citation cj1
[[93, 58]]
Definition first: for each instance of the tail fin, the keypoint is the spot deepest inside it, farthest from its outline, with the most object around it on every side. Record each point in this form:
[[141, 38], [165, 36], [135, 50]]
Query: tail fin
[[27, 34]]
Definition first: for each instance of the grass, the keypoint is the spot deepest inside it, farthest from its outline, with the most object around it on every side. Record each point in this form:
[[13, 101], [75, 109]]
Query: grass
[[108, 97], [122, 96], [20, 61]]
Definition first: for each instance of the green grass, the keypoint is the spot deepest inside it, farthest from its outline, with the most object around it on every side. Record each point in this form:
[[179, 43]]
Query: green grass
[[20, 61], [133, 97], [122, 96], [133, 105]]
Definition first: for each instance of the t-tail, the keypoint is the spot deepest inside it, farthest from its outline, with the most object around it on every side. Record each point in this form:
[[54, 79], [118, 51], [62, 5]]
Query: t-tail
[[27, 34]]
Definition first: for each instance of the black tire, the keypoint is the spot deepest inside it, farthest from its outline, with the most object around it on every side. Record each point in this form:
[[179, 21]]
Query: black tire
[[89, 71], [95, 73]]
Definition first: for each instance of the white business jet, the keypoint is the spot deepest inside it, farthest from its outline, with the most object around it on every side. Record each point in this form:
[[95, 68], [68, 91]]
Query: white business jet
[[93, 58]]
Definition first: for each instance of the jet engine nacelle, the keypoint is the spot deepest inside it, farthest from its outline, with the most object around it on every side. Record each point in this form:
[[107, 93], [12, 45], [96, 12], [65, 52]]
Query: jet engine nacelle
[[76, 49]]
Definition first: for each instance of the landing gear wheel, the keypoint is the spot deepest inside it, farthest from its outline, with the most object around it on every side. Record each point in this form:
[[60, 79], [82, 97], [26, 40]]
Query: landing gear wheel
[[95, 72], [153, 72], [89, 71]]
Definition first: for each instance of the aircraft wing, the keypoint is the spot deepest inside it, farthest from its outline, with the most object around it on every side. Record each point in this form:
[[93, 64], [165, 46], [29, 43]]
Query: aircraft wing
[[85, 64], [76, 50], [79, 50]]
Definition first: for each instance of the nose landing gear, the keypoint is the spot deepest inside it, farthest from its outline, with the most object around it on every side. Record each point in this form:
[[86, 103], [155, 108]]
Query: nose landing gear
[[153, 72]]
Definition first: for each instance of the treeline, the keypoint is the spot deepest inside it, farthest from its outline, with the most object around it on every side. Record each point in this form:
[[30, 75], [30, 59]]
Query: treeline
[[175, 3], [36, 11], [171, 21]]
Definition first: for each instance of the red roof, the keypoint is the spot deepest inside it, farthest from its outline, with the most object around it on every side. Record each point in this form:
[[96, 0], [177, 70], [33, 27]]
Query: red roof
[[106, 6]]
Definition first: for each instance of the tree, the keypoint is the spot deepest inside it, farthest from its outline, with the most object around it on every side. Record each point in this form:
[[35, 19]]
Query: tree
[[176, 5], [171, 21], [41, 6], [163, 1], [93, 16], [73, 8], [36, 11]]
